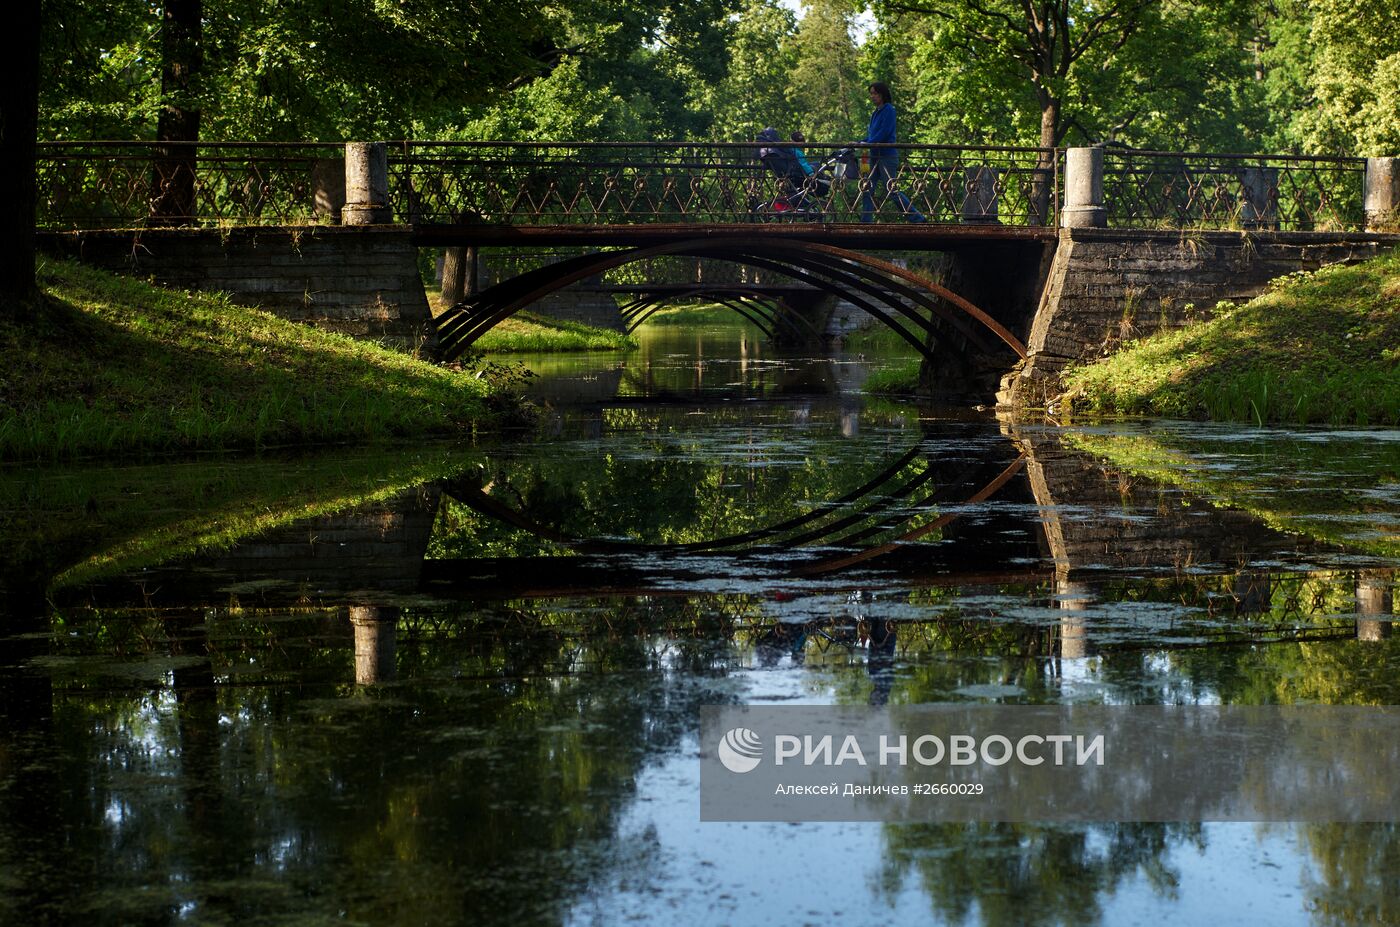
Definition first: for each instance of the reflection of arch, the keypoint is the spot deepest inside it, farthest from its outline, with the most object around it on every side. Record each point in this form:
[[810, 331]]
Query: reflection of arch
[[853, 513], [890, 293], [765, 312]]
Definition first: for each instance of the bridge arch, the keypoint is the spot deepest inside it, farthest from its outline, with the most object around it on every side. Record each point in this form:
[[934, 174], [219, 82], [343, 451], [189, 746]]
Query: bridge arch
[[766, 312], [889, 501], [892, 294]]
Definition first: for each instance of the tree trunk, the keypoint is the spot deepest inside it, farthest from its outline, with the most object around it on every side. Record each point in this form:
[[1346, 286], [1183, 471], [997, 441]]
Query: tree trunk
[[1042, 188], [173, 180], [19, 119], [454, 276], [1049, 120]]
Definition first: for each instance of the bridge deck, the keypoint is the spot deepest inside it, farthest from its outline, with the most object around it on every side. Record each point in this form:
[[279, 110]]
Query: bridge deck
[[886, 235]]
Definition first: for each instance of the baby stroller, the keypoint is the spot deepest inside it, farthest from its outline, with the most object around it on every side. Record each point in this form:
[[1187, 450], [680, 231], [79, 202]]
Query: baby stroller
[[799, 193]]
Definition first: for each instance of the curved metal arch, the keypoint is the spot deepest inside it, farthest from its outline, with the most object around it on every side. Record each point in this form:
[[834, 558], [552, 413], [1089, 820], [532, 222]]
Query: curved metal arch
[[878, 284], [475, 498], [837, 285], [642, 308], [464, 323], [765, 313]]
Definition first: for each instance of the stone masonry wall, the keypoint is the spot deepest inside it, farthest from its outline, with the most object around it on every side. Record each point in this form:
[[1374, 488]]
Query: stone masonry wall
[[1109, 285], [580, 304], [355, 280]]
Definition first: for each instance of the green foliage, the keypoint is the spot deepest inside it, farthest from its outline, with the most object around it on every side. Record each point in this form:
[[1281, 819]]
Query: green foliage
[[754, 92], [1321, 76], [827, 88], [901, 379], [1318, 347], [288, 70], [1355, 77], [120, 366], [1155, 75]]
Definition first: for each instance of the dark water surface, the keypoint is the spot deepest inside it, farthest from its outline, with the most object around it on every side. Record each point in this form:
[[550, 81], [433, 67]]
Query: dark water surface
[[461, 684]]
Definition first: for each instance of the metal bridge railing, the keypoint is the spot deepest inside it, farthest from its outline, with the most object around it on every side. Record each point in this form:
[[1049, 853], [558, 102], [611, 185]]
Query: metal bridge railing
[[98, 184], [1159, 189], [449, 183]]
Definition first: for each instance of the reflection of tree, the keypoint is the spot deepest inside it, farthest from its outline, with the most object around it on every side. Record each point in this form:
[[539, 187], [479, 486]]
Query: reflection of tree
[[1030, 874], [253, 787], [1358, 873], [664, 484]]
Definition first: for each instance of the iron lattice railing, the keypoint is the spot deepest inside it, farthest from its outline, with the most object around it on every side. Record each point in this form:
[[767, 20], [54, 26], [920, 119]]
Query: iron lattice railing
[[507, 183], [1158, 189], [93, 185], [131, 184]]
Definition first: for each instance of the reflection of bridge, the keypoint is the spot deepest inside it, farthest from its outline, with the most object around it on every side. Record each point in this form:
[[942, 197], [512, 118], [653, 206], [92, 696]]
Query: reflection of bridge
[[1048, 249], [1029, 513]]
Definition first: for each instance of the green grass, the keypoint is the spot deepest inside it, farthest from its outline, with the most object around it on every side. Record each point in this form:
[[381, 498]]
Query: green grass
[[877, 338], [116, 366], [707, 314], [1320, 347], [528, 333], [901, 379]]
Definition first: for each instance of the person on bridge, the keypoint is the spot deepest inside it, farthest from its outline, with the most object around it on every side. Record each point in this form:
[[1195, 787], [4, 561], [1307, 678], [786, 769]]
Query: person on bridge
[[801, 139], [884, 162]]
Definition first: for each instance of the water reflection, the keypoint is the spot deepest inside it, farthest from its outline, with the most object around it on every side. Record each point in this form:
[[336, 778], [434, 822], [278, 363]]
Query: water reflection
[[462, 686]]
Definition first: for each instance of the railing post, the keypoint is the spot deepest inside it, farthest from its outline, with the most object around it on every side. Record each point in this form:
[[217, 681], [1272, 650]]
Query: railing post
[[980, 194], [1084, 206], [366, 184], [1259, 198], [328, 185], [1382, 199]]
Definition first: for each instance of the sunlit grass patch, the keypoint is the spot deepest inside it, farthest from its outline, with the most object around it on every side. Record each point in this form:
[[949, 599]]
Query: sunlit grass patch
[[118, 366], [527, 332], [1319, 347]]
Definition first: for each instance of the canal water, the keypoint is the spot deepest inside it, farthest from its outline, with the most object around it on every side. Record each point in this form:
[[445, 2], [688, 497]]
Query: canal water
[[461, 683]]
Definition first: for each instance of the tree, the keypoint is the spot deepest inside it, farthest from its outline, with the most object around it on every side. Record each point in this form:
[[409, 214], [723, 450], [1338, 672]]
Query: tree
[[1355, 78], [181, 54], [754, 92], [19, 113], [285, 71], [1048, 40], [827, 88]]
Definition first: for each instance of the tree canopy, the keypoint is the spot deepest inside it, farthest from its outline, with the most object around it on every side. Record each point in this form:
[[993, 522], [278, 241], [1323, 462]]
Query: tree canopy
[[1314, 76]]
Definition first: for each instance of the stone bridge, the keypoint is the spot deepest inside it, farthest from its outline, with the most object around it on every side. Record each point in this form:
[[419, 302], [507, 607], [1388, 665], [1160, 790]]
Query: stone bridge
[[1022, 259]]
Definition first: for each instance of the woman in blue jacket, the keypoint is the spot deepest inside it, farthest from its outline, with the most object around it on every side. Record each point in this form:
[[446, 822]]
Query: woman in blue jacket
[[884, 162]]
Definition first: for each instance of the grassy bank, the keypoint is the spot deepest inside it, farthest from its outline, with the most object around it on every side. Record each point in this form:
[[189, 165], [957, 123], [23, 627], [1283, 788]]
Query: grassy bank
[[901, 379], [708, 314], [117, 366], [1319, 347], [528, 333]]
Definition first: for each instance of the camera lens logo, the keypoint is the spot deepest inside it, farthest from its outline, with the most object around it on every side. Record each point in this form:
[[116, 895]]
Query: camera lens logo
[[740, 750]]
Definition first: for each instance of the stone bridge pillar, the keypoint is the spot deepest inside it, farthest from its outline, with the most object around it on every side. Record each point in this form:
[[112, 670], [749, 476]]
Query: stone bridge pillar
[[1373, 600], [376, 636], [1084, 189], [1382, 198], [366, 184]]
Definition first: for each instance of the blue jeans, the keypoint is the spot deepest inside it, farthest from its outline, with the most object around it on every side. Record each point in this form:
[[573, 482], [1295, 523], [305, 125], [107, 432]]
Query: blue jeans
[[883, 169]]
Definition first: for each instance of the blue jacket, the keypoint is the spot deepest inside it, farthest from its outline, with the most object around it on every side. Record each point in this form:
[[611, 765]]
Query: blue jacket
[[881, 125]]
